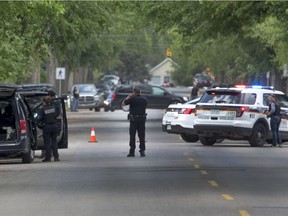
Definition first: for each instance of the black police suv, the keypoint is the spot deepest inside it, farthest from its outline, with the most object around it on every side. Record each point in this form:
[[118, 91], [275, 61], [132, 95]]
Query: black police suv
[[19, 135], [158, 97]]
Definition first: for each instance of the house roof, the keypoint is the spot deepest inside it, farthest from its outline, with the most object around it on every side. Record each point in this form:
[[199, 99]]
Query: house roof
[[162, 63]]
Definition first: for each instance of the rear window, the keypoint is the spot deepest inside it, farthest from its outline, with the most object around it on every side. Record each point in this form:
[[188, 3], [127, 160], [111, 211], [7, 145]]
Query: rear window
[[194, 101], [6, 92], [124, 89], [233, 97], [34, 101]]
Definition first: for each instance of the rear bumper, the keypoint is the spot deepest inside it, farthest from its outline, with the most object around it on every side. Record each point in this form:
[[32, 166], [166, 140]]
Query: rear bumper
[[177, 129], [222, 131], [88, 105], [9, 148]]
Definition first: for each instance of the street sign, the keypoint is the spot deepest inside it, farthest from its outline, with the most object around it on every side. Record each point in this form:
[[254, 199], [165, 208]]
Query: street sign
[[285, 70], [60, 73], [168, 53]]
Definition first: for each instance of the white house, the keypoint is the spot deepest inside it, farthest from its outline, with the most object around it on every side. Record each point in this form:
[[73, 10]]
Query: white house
[[162, 72]]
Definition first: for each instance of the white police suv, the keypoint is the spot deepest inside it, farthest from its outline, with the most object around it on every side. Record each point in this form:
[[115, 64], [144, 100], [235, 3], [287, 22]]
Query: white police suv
[[237, 113], [179, 118]]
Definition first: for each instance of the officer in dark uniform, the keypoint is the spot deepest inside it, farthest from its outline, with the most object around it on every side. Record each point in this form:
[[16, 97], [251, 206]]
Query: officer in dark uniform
[[274, 113], [48, 115], [137, 117]]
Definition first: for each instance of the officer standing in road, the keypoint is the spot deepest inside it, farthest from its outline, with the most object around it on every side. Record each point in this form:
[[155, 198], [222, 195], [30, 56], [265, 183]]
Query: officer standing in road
[[137, 117], [194, 92], [275, 119], [49, 114]]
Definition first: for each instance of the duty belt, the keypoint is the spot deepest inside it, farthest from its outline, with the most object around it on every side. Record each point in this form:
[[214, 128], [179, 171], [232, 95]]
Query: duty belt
[[138, 115]]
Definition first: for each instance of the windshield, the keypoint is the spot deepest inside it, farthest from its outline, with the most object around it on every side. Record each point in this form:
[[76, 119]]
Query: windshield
[[34, 101], [86, 88]]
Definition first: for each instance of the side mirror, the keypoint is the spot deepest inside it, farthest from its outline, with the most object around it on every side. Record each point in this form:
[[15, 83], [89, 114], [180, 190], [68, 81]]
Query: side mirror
[[165, 93], [64, 96]]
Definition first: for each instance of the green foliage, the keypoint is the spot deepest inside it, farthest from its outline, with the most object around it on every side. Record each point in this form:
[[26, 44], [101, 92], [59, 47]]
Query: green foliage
[[239, 40]]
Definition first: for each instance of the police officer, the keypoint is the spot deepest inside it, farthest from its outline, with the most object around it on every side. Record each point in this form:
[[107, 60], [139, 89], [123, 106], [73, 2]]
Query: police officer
[[194, 92], [49, 114], [137, 117], [274, 114]]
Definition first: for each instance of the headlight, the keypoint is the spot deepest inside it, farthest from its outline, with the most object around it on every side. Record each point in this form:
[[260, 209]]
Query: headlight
[[185, 98]]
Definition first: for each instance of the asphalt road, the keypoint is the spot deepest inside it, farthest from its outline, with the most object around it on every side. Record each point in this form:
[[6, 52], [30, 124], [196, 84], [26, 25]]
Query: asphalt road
[[175, 178]]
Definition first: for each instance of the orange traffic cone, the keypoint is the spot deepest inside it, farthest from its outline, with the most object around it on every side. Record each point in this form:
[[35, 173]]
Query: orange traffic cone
[[93, 136]]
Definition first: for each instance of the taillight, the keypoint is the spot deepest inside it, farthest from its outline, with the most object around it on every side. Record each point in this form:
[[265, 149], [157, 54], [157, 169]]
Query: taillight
[[171, 110], [113, 96], [187, 111], [23, 127], [240, 111]]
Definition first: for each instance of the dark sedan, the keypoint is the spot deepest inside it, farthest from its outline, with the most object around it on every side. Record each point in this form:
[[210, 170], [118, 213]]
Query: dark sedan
[[158, 97]]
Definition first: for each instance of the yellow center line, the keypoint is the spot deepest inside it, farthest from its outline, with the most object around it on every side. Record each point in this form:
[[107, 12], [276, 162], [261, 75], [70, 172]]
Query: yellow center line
[[244, 213], [213, 183], [227, 197], [203, 172], [196, 166], [191, 159]]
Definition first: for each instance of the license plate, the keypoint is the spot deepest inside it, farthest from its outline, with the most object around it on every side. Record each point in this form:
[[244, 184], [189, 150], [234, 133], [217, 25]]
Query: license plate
[[215, 111], [226, 118], [170, 114], [168, 127]]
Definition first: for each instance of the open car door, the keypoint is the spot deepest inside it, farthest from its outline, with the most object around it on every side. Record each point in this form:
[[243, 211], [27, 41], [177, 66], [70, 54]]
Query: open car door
[[7, 90], [33, 97]]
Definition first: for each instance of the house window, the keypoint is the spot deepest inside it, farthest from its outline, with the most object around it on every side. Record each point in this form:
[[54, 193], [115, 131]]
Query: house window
[[155, 80], [166, 79]]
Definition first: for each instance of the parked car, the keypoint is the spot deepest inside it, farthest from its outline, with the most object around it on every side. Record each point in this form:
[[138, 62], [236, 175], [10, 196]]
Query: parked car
[[107, 103], [89, 97], [167, 84], [202, 80], [110, 79], [19, 135], [158, 97], [104, 89], [179, 118]]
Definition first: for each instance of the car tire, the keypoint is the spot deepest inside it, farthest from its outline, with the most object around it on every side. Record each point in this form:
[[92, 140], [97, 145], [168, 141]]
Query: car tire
[[258, 136], [97, 109], [207, 141], [189, 137], [29, 156], [219, 140]]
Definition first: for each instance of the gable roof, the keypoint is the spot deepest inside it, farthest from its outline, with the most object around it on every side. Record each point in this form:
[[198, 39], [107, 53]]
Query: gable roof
[[164, 62]]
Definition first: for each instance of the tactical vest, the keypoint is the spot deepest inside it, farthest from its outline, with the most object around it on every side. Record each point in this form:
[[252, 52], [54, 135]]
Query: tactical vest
[[277, 110], [50, 114]]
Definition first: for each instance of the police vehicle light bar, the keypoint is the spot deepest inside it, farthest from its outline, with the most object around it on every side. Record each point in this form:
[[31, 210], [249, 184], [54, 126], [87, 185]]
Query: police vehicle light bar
[[242, 86], [255, 87]]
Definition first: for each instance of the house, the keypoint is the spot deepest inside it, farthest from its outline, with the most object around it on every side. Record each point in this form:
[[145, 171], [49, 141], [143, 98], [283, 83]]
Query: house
[[161, 73]]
